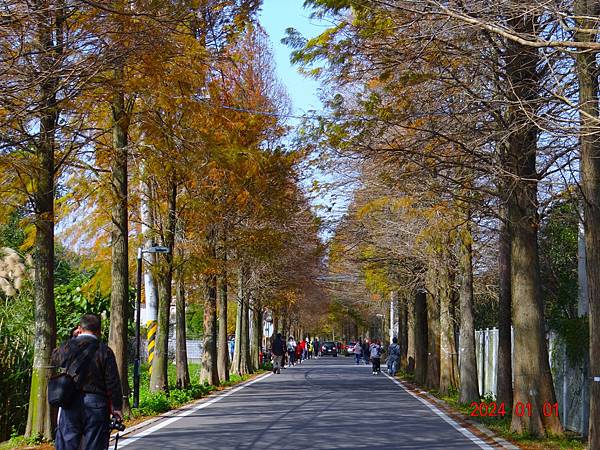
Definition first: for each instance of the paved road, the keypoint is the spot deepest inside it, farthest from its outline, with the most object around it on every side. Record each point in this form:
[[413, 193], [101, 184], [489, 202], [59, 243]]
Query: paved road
[[328, 403]]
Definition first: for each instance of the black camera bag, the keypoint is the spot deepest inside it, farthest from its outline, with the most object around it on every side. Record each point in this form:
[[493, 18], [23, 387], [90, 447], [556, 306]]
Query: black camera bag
[[62, 387]]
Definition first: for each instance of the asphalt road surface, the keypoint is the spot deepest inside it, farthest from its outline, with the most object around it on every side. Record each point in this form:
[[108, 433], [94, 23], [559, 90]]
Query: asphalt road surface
[[328, 403]]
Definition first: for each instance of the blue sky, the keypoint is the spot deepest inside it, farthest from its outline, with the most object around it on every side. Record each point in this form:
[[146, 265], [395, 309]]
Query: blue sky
[[276, 16]]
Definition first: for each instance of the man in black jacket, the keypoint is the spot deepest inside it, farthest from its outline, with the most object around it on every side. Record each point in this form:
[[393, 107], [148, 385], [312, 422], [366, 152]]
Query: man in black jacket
[[278, 349], [85, 422]]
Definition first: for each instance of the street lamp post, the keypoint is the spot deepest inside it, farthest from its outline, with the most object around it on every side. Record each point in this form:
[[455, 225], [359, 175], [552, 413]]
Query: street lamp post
[[381, 316], [138, 302]]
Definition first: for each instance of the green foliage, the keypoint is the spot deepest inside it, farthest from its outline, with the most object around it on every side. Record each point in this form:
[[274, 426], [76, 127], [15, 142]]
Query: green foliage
[[194, 321], [18, 441], [558, 261], [67, 265], [11, 233], [574, 333], [485, 310], [16, 353], [152, 403], [73, 300]]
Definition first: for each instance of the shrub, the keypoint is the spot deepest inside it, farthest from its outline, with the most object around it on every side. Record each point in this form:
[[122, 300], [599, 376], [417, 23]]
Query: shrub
[[180, 396], [154, 403]]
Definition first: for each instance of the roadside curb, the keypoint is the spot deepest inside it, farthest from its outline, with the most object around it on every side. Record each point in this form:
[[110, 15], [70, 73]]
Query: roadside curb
[[183, 408], [457, 416]]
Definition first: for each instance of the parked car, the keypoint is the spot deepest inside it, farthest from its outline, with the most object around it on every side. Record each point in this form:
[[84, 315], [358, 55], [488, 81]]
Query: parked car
[[329, 348], [350, 348]]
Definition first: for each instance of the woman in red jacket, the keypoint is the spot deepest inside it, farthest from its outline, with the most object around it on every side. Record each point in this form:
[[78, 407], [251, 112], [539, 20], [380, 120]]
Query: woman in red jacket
[[300, 350]]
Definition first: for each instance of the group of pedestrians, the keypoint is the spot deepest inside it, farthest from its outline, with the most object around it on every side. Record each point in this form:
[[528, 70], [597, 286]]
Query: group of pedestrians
[[369, 352], [372, 351], [287, 354]]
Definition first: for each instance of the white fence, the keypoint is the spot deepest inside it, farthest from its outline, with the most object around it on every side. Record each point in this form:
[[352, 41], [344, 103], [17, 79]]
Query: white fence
[[193, 347], [569, 382]]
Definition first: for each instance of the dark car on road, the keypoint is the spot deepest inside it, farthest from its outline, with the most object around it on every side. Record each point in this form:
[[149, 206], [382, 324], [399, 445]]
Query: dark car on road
[[329, 348]]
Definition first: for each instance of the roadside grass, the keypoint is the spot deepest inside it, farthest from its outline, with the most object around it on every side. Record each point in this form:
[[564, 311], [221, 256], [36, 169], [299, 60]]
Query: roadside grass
[[151, 403], [501, 425], [25, 443]]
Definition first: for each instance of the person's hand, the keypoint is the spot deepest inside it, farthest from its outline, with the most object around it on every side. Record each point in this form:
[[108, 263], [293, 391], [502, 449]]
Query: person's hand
[[118, 414]]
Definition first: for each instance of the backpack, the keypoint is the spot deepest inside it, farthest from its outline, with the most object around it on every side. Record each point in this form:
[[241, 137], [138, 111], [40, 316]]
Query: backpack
[[62, 387]]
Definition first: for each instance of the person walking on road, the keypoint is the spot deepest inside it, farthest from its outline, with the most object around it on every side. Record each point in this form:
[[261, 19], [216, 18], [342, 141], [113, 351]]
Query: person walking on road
[[278, 349], [317, 348], [393, 357], [365, 351], [291, 350], [375, 350], [84, 422], [305, 348], [358, 351], [299, 351]]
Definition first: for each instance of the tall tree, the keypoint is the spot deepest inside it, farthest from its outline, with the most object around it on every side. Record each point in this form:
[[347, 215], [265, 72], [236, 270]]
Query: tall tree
[[119, 310], [588, 13], [222, 345], [533, 382], [209, 371], [469, 388], [181, 361], [49, 25]]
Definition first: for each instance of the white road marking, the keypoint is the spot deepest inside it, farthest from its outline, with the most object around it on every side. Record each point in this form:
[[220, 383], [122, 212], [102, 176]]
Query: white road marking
[[187, 412], [446, 418]]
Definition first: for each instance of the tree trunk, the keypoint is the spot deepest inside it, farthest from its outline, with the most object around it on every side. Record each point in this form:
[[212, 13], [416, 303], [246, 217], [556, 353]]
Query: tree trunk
[[411, 330], [235, 363], [181, 361], [119, 299], [404, 332], [448, 354], [469, 387], [209, 371], [236, 366], [394, 319], [222, 347], [256, 345], [533, 379], [587, 72], [421, 337], [40, 415], [245, 358], [504, 369], [433, 330], [160, 366], [277, 323]]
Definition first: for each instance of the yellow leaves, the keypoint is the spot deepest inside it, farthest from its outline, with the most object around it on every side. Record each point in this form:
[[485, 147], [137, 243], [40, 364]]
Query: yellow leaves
[[242, 198], [28, 243], [382, 204], [372, 206]]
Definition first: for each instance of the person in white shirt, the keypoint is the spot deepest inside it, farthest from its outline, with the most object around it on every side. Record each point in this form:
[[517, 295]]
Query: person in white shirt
[[375, 351]]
